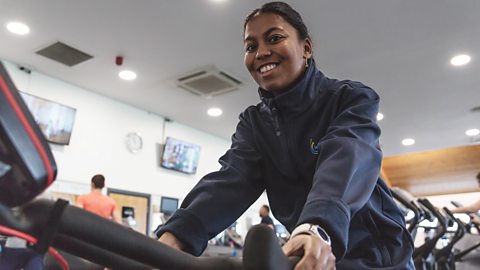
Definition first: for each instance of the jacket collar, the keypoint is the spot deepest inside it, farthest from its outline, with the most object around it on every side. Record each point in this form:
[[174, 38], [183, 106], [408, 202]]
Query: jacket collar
[[299, 97]]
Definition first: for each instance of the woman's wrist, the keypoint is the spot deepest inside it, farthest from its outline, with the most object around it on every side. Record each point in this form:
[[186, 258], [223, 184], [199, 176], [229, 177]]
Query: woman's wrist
[[171, 240], [311, 229]]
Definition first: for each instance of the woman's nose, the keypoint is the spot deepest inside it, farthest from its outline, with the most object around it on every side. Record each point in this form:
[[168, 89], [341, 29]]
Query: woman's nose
[[263, 51]]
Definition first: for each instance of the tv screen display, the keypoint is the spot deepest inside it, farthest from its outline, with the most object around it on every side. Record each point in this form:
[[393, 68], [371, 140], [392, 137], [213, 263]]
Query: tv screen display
[[168, 205], [55, 120], [180, 156]]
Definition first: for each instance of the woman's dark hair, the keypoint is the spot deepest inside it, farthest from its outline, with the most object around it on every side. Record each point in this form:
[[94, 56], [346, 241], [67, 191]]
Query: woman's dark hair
[[266, 208], [285, 11], [98, 181]]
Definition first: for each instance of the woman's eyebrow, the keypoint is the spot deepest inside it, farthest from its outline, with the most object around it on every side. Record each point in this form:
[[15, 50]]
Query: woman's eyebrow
[[267, 33], [272, 29]]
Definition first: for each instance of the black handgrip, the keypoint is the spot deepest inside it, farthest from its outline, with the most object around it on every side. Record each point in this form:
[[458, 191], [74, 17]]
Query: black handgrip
[[94, 230], [262, 251], [96, 239], [410, 205], [456, 204], [444, 253], [424, 250], [79, 226], [427, 212], [449, 213], [399, 197], [461, 226], [441, 219], [409, 201], [95, 254]]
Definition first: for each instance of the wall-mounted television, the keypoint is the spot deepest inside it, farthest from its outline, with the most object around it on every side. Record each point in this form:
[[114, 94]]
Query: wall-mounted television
[[168, 205], [180, 156], [55, 120]]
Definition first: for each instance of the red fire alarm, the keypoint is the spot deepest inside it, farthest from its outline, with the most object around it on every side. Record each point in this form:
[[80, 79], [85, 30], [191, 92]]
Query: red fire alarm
[[119, 60]]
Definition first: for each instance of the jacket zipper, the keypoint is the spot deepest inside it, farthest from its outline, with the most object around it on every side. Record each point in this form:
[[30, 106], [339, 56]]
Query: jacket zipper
[[275, 122]]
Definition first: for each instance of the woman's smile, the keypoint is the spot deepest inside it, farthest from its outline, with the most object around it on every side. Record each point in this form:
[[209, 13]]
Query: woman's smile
[[266, 70]]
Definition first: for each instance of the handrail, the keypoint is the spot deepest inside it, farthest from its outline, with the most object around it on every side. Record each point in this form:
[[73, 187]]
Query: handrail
[[101, 241]]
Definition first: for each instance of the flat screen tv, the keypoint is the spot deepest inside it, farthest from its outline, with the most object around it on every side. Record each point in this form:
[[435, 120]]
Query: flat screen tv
[[168, 205], [55, 120], [180, 156]]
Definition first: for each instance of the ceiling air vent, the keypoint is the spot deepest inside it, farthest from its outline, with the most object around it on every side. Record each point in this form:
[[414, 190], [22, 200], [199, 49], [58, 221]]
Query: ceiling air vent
[[64, 54], [208, 81]]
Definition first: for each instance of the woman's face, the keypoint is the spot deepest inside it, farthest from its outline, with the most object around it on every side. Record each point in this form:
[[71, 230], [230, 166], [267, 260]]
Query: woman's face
[[274, 54]]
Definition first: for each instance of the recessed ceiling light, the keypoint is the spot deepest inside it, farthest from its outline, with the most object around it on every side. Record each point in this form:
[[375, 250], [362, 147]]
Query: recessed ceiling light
[[214, 112], [127, 75], [379, 116], [472, 132], [408, 141], [18, 28], [460, 60]]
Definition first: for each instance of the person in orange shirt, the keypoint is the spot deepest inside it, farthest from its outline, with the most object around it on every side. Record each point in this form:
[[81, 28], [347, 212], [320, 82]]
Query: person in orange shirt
[[98, 203]]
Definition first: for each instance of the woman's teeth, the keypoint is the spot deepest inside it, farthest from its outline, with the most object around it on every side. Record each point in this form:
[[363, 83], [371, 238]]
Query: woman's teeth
[[267, 68]]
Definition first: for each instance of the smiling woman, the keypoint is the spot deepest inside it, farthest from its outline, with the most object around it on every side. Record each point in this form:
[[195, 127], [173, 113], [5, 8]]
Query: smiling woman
[[313, 144], [275, 54]]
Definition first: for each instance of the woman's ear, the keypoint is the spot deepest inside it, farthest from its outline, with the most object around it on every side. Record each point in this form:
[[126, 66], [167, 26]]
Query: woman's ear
[[307, 48]]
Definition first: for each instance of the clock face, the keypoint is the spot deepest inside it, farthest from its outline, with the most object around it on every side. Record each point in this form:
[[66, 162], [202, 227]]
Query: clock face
[[134, 142]]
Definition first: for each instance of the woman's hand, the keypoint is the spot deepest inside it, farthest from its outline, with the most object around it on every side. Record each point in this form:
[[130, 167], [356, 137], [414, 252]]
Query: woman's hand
[[474, 219], [170, 240], [316, 253]]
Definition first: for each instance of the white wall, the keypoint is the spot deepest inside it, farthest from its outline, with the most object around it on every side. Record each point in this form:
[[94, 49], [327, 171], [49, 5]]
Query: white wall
[[97, 144]]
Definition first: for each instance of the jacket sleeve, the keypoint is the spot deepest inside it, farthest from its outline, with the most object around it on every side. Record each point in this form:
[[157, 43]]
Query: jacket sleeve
[[348, 165], [220, 197]]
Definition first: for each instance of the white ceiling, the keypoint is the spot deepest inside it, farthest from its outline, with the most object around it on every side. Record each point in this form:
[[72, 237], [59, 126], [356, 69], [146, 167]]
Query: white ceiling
[[400, 48]]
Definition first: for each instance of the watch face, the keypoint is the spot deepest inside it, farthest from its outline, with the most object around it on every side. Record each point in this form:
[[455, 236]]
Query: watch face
[[134, 142]]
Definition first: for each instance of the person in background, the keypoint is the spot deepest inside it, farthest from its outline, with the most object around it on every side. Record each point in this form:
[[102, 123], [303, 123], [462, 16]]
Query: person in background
[[265, 215], [313, 144], [98, 203], [471, 209]]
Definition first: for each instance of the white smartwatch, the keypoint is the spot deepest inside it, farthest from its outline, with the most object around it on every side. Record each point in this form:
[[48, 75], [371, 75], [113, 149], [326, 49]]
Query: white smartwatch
[[311, 229]]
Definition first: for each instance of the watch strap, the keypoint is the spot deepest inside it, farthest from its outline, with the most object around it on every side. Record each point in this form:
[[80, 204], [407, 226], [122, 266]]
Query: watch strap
[[311, 229]]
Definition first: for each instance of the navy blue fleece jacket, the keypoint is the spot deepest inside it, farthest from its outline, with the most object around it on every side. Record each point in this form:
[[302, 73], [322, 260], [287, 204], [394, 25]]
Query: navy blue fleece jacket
[[314, 149]]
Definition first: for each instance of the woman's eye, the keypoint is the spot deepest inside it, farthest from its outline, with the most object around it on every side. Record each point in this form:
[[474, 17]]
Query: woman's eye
[[274, 38], [249, 47]]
